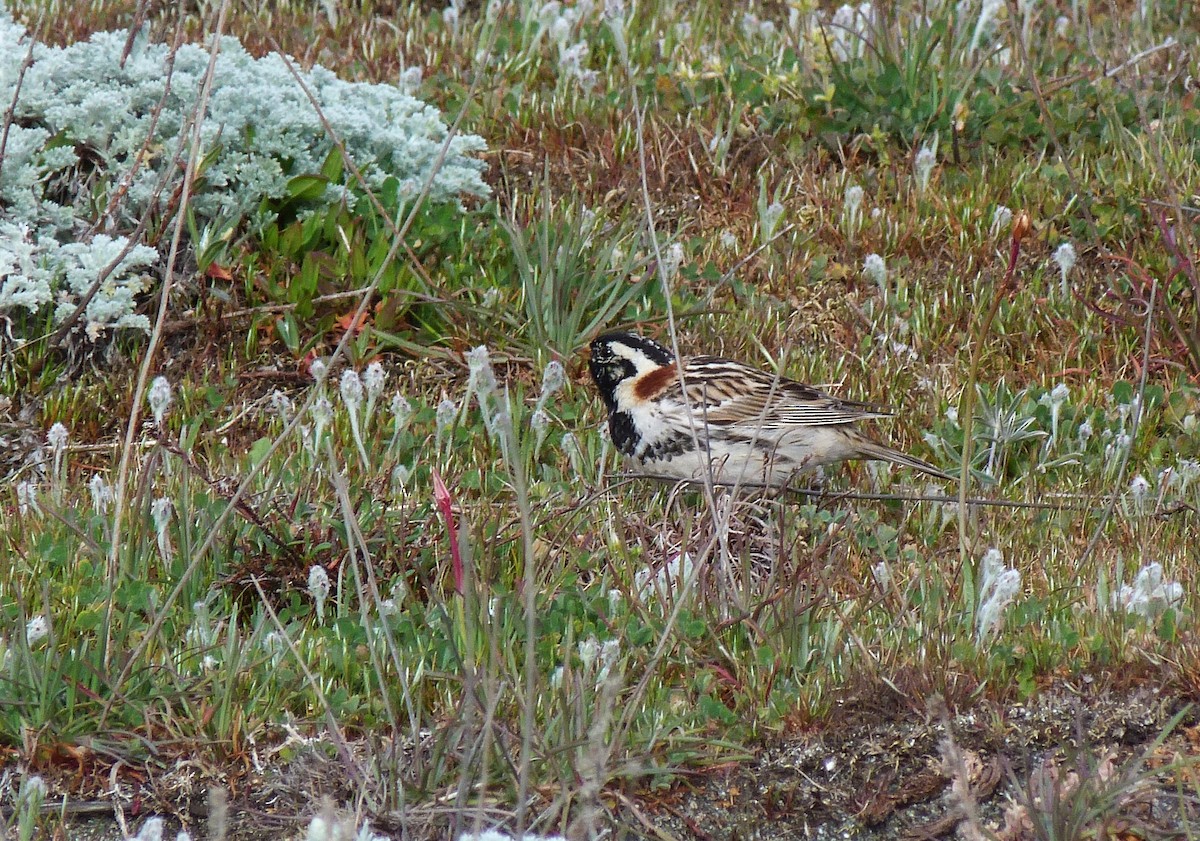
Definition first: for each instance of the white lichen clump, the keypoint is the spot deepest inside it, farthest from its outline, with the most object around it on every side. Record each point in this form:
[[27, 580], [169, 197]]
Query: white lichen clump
[[126, 112]]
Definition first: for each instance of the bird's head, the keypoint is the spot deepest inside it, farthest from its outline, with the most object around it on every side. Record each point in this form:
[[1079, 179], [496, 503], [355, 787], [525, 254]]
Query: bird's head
[[617, 357]]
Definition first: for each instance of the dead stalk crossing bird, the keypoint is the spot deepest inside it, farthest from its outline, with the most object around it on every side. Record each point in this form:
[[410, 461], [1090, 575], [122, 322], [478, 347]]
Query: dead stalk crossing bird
[[746, 425]]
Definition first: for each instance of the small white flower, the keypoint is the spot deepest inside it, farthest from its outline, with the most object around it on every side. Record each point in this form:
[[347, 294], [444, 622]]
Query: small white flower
[[1139, 489], [33, 790], [1062, 26], [351, 388], [401, 411], [159, 397], [615, 599], [482, 377], [770, 219], [1084, 432], [27, 498], [539, 421], [1001, 219], [446, 410], [852, 208], [37, 629], [875, 270], [1149, 595], [160, 511], [672, 260], [952, 414], [1000, 585], [728, 240], [1064, 256], [1059, 394], [882, 573], [275, 646], [318, 830], [374, 380], [609, 652], [57, 438], [589, 652], [410, 79], [552, 378], [318, 588], [282, 404], [209, 663], [924, 164], [318, 369], [152, 830], [570, 446], [400, 475]]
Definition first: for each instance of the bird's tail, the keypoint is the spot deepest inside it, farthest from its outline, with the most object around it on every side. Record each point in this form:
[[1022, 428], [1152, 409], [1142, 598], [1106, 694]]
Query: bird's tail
[[868, 449]]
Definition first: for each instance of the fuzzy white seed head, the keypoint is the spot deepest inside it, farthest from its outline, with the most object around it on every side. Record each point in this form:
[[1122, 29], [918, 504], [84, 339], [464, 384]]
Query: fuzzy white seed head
[[882, 574], [1059, 394], [1064, 256], [1139, 489], [374, 379], [401, 473], [318, 588], [37, 629], [553, 378], [152, 830], [479, 364], [1001, 219], [160, 512], [771, 218], [57, 438], [1084, 432], [589, 652], [853, 199], [318, 830], [401, 410], [446, 410], [27, 498], [282, 404], [727, 239], [159, 398], [33, 790], [875, 270], [539, 422], [322, 410], [318, 369], [672, 260], [351, 388], [923, 166], [999, 586]]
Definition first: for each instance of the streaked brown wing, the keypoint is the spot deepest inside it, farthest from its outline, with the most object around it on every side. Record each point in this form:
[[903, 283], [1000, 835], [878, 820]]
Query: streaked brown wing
[[729, 393]]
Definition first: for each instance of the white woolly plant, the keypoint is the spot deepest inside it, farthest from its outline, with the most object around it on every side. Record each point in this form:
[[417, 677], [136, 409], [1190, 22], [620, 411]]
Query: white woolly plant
[[1064, 257], [852, 210], [923, 166], [56, 437], [318, 588], [351, 388], [999, 586]]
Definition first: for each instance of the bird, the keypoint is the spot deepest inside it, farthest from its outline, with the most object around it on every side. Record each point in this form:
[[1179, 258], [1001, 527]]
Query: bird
[[740, 424]]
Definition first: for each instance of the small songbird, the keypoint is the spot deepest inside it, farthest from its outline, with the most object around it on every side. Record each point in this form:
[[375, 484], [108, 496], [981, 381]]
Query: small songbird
[[746, 425]]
